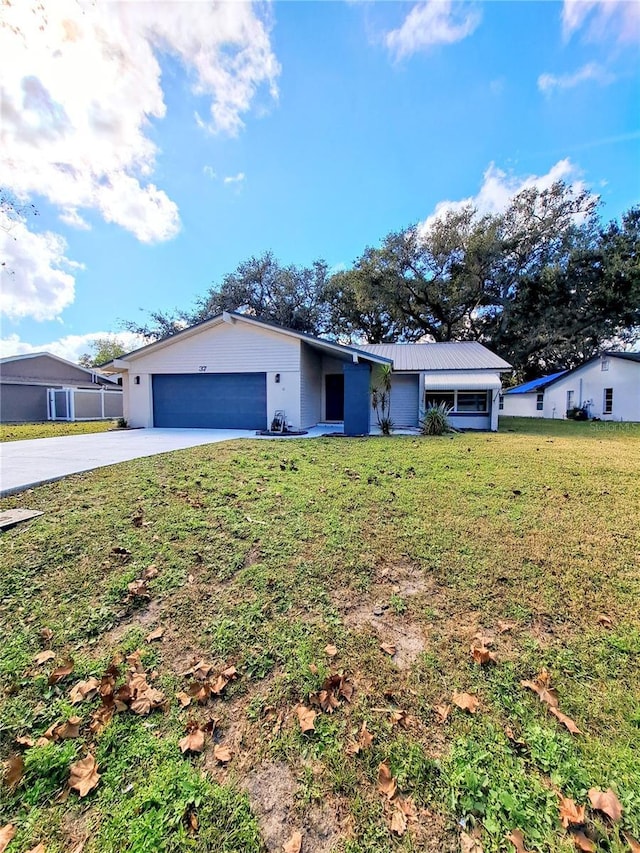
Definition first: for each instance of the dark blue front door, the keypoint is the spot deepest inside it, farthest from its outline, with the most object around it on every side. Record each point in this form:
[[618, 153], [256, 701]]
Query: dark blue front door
[[210, 400]]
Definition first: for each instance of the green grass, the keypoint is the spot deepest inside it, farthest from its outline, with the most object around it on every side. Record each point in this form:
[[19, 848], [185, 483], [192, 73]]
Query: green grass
[[264, 549], [49, 429]]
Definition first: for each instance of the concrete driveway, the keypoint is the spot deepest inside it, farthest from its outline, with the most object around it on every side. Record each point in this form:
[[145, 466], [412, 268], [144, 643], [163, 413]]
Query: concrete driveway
[[24, 464]]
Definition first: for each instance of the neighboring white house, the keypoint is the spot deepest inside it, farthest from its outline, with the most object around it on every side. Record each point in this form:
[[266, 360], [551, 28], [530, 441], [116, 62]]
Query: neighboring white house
[[607, 386], [234, 371], [527, 400]]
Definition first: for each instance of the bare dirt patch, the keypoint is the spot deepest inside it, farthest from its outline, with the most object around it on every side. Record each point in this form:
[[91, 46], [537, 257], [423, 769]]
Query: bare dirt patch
[[404, 580], [272, 790]]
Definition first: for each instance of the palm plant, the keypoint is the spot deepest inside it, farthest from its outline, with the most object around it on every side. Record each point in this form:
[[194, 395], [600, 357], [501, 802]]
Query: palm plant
[[381, 399]]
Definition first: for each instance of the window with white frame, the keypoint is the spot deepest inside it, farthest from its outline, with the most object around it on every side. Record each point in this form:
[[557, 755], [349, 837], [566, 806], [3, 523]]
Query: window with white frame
[[607, 403], [604, 364], [461, 402], [540, 402], [501, 402]]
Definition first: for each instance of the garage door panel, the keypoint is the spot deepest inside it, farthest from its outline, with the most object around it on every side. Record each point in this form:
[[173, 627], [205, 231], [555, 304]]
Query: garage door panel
[[210, 400]]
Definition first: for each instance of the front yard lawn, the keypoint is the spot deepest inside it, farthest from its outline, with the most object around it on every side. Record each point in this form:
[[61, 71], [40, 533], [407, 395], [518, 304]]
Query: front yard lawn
[[49, 429], [236, 579]]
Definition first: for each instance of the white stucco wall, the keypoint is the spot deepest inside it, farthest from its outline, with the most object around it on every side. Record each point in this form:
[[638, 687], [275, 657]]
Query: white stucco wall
[[588, 384], [522, 406]]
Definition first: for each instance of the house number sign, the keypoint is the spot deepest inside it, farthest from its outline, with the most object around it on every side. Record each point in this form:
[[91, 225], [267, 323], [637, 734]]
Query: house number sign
[[203, 368]]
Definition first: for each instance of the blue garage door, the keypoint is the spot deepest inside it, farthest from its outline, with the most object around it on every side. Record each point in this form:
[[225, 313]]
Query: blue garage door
[[210, 400]]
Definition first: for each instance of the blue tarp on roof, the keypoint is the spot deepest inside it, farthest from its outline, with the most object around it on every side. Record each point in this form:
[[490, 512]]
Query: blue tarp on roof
[[536, 384]]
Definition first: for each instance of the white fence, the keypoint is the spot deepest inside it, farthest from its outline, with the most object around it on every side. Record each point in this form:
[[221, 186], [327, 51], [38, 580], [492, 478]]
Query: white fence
[[80, 404]]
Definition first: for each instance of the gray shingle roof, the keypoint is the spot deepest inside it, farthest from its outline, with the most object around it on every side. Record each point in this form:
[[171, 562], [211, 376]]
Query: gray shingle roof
[[467, 355]]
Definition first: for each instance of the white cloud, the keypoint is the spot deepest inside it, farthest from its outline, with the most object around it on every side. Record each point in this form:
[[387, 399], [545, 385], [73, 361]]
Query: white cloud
[[209, 172], [82, 81], [235, 179], [499, 187], [37, 278], [602, 19], [432, 23], [590, 72], [70, 347], [80, 86], [70, 216]]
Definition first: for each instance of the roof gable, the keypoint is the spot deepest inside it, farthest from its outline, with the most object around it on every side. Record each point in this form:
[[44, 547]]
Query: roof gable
[[234, 317]]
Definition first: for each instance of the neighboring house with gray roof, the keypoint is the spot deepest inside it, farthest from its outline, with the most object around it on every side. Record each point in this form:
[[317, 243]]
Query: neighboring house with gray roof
[[32, 384], [607, 386], [234, 371]]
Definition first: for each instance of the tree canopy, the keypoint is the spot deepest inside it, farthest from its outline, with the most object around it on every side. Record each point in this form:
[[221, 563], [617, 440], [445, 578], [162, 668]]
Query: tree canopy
[[102, 350], [544, 284]]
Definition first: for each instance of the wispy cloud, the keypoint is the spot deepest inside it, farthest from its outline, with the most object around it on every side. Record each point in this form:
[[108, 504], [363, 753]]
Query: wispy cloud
[[432, 23], [209, 172], [70, 347], [235, 179], [499, 187], [591, 72], [601, 20]]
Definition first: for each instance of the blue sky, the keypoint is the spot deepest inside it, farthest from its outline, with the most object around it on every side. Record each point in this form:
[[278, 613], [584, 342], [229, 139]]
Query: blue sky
[[162, 144]]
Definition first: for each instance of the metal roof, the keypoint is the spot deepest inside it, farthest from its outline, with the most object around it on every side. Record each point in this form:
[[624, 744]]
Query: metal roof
[[463, 355], [536, 384]]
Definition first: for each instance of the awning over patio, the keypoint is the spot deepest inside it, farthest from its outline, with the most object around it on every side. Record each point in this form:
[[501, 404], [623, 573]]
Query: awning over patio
[[449, 380]]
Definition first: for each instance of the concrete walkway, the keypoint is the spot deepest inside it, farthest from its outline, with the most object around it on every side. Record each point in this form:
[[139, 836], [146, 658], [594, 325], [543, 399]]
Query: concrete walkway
[[25, 464]]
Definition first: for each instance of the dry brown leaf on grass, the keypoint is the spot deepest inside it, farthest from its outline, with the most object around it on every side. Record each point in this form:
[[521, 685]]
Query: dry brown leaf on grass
[[388, 649], [25, 740], [6, 834], [43, 657], [46, 635], [184, 699], [151, 572], [566, 721], [398, 822], [84, 775], [571, 814], [223, 754], [582, 842], [61, 672], [334, 688], [481, 654], [331, 651], [443, 710], [84, 690], [504, 625], [155, 635], [516, 837], [39, 848], [14, 771], [542, 686], [466, 701], [193, 741], [605, 621], [399, 718], [294, 844], [470, 843], [606, 802], [386, 783], [68, 730], [634, 845], [365, 739], [306, 716]]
